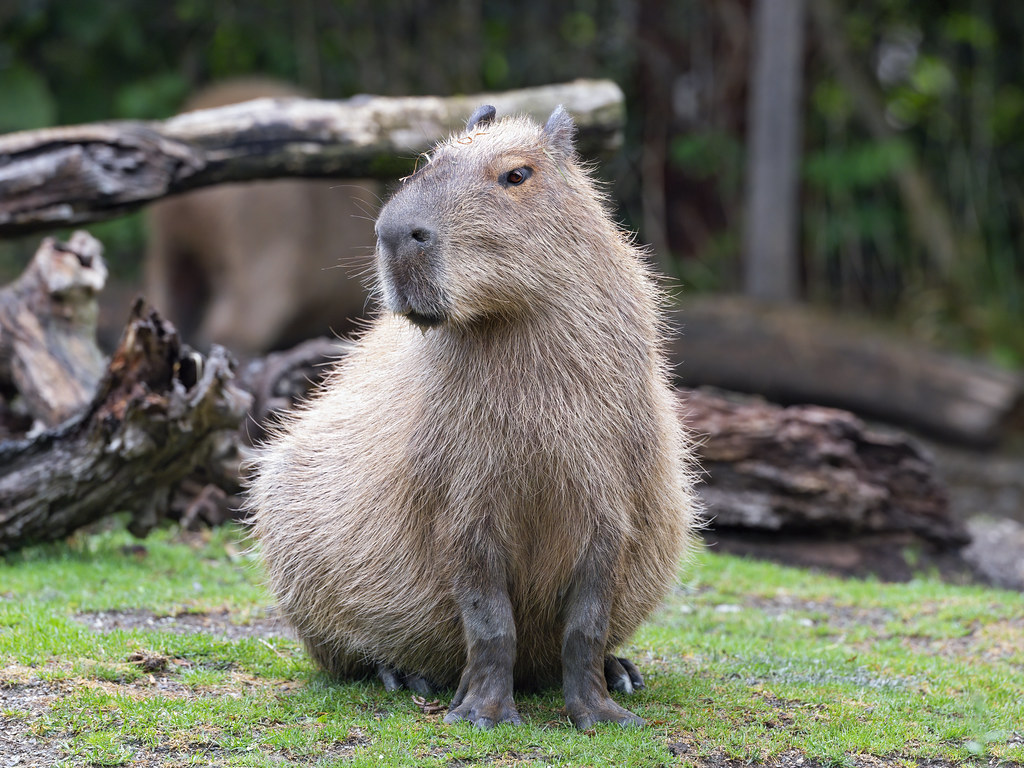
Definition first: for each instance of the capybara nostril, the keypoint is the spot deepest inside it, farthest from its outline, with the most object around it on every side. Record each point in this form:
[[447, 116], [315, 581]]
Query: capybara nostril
[[423, 235]]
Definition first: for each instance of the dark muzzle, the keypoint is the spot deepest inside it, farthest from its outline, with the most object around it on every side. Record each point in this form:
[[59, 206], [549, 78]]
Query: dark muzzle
[[409, 260]]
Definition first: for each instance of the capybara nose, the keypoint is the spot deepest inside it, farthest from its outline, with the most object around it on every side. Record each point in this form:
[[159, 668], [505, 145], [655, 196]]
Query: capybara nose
[[405, 239]]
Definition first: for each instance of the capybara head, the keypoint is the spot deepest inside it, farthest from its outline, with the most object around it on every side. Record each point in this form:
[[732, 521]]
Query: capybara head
[[479, 230]]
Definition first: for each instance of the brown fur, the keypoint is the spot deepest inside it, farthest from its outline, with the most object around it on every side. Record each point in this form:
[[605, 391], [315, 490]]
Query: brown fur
[[530, 433], [262, 265]]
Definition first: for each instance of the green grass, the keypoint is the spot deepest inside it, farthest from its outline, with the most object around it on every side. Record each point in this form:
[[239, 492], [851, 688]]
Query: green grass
[[749, 662]]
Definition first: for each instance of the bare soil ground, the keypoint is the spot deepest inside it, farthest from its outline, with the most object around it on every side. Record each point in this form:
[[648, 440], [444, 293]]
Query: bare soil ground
[[19, 746], [218, 624]]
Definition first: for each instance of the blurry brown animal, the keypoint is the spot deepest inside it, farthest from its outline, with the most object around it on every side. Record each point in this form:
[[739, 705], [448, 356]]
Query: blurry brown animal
[[492, 489], [262, 265]]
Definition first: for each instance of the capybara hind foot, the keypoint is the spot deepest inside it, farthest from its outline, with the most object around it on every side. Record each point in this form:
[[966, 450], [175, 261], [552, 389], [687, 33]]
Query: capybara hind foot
[[585, 714], [622, 675], [395, 680]]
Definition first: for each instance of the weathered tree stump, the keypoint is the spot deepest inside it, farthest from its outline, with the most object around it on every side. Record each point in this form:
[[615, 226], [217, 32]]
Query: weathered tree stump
[[158, 413], [48, 351]]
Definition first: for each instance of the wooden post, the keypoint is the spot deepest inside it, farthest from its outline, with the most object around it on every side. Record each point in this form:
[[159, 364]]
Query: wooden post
[[771, 243]]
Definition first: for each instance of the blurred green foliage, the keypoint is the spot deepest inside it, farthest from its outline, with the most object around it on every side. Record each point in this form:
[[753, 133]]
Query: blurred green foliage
[[28, 102], [951, 82], [863, 166], [949, 76]]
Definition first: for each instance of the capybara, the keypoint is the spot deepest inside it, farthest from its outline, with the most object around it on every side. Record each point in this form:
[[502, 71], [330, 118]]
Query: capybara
[[491, 491], [260, 265]]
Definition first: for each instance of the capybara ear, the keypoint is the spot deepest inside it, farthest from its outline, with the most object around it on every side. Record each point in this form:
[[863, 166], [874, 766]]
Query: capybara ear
[[483, 115], [561, 131]]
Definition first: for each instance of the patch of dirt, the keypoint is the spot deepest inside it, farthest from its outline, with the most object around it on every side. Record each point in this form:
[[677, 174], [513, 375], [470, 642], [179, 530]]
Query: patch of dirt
[[784, 607], [213, 755], [25, 700], [23, 704], [688, 754], [220, 624], [837, 617], [28, 700], [26, 703]]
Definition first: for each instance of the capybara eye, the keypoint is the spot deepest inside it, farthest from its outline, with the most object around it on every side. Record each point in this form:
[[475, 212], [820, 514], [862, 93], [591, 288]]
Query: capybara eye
[[517, 176]]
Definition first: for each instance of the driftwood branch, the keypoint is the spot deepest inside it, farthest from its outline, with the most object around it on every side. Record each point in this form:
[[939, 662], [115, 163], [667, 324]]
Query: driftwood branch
[[64, 176]]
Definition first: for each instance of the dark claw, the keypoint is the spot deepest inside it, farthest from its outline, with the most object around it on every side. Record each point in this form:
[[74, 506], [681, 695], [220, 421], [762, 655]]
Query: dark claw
[[418, 684], [634, 674]]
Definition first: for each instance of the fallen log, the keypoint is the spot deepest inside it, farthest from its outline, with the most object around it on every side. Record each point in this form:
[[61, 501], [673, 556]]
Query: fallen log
[[794, 355], [64, 176], [809, 469], [816, 486], [159, 412]]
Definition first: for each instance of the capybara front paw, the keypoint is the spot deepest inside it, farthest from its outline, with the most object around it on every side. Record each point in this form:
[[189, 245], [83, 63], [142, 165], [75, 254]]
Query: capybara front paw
[[622, 675], [586, 715], [484, 713]]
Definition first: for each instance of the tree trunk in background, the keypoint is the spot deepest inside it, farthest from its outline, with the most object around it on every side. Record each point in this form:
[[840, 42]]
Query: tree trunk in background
[[770, 236]]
